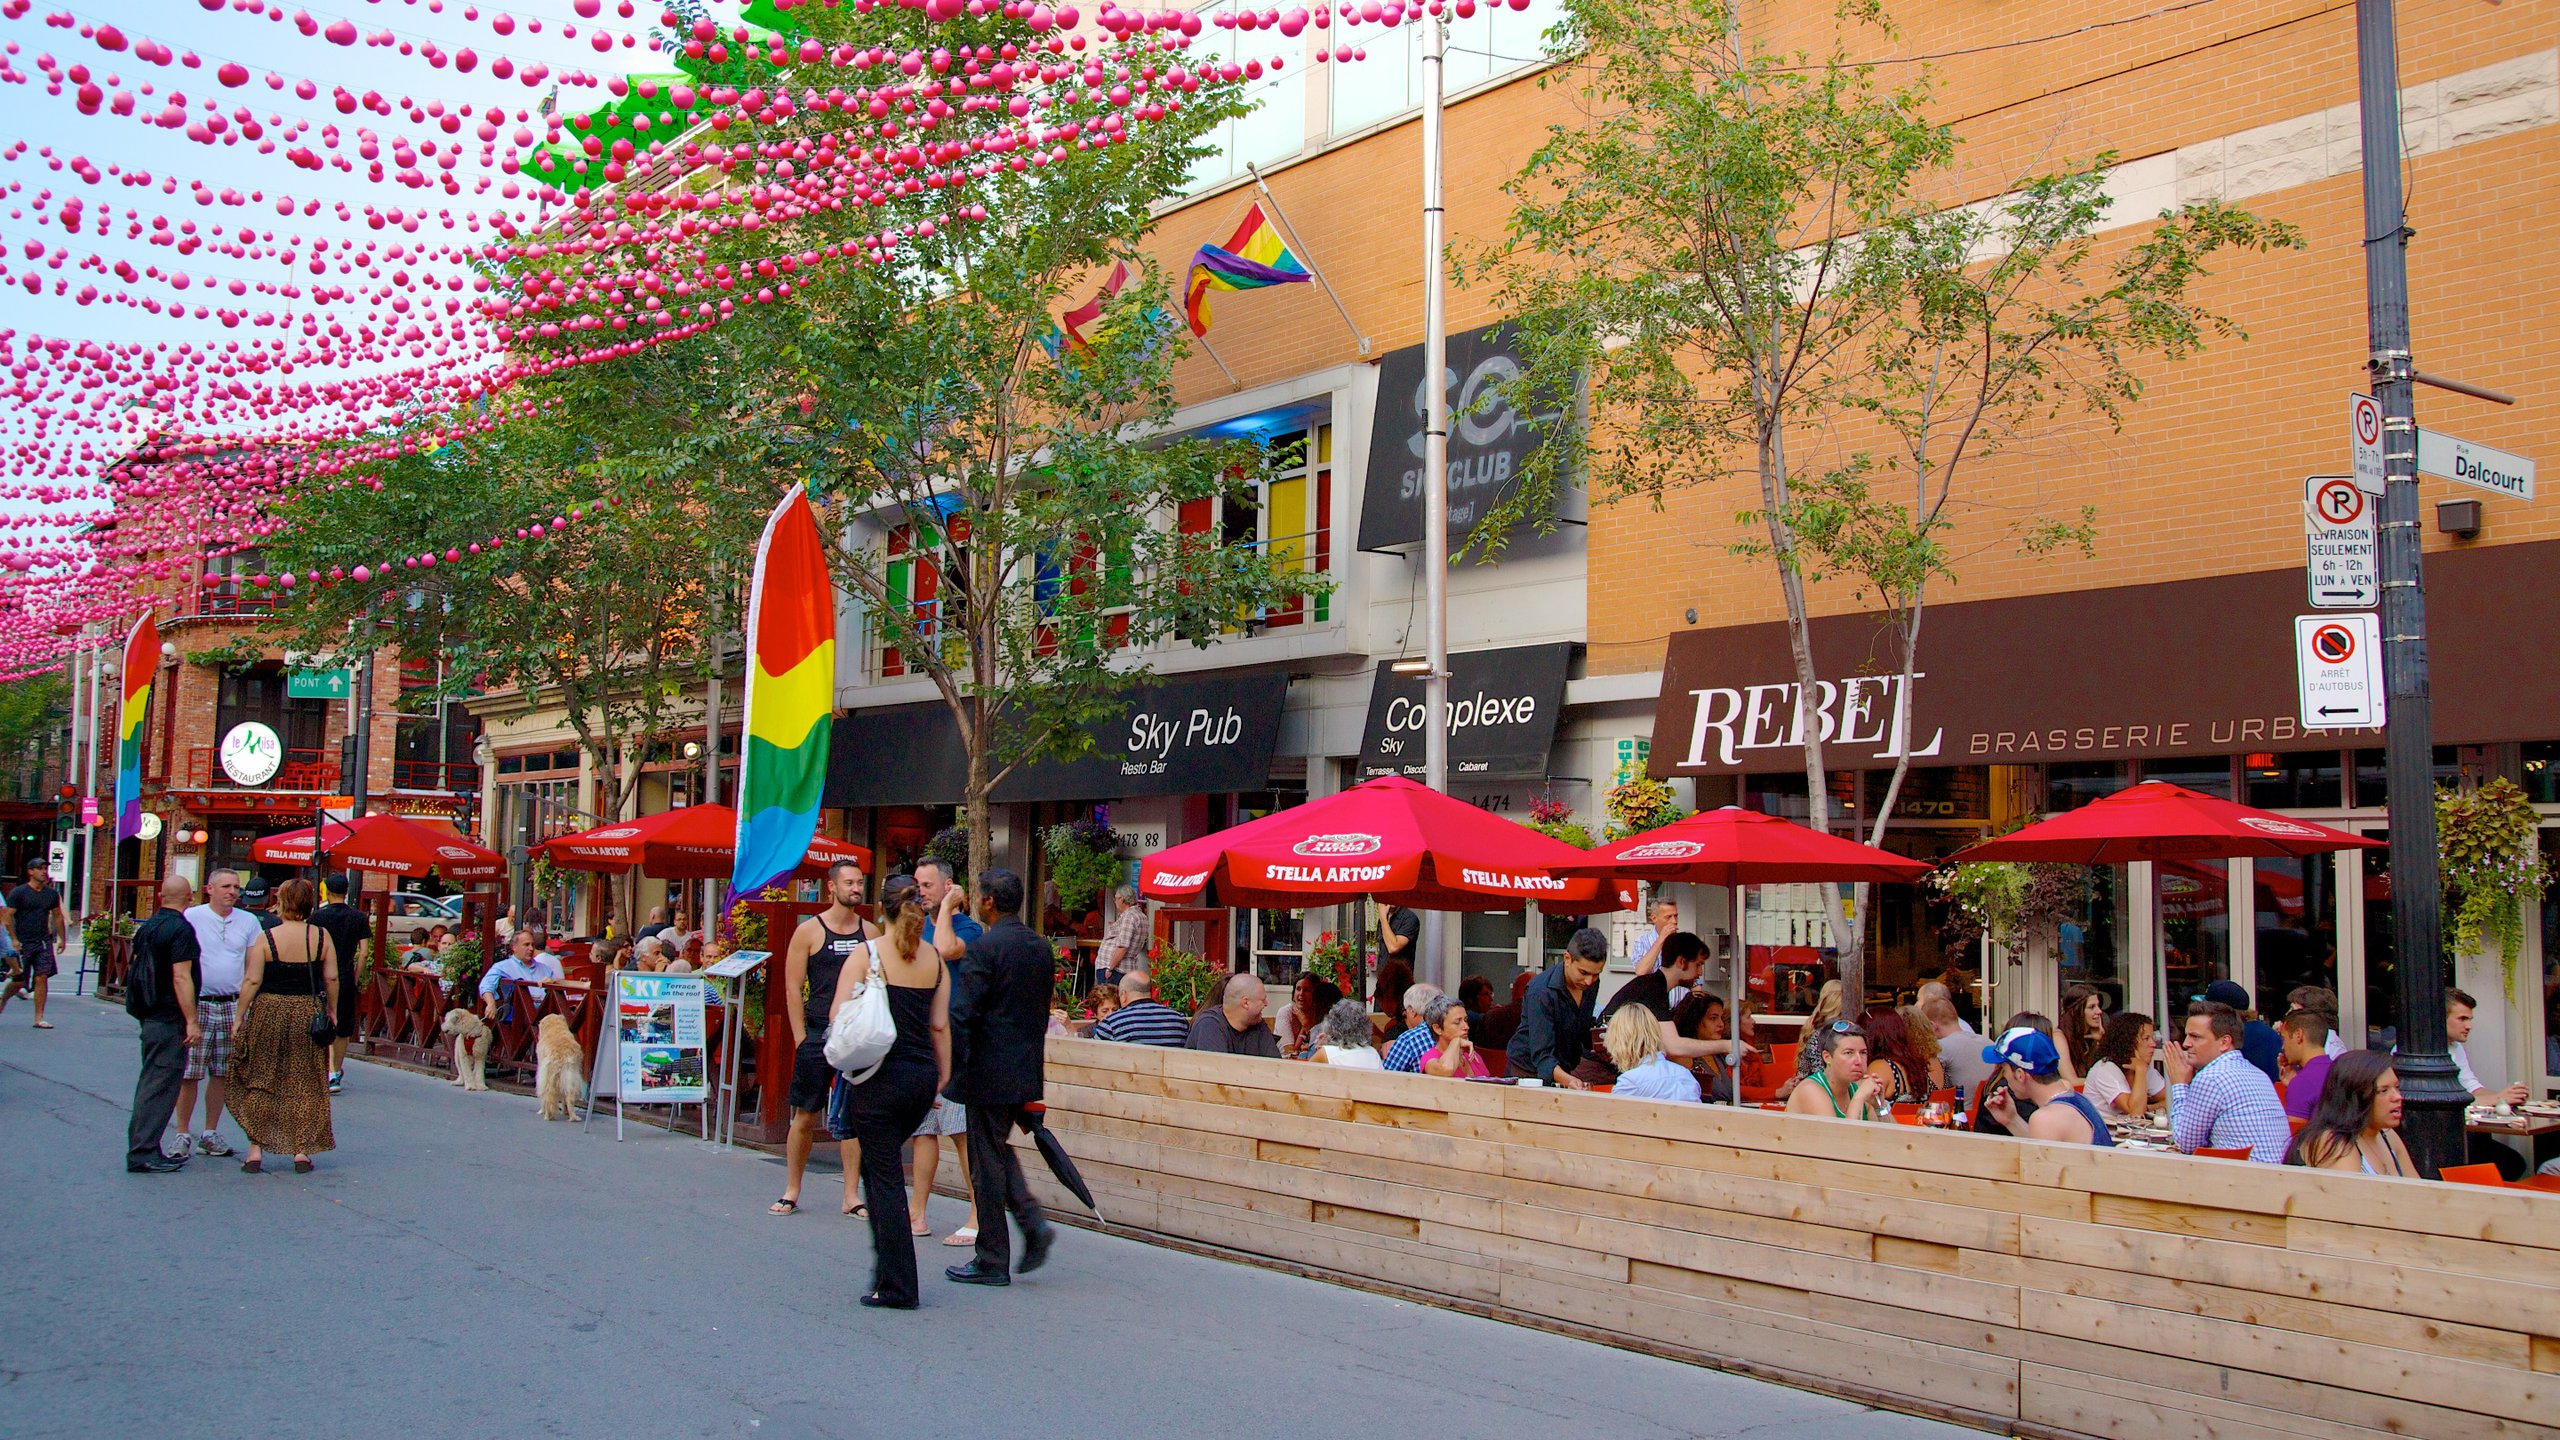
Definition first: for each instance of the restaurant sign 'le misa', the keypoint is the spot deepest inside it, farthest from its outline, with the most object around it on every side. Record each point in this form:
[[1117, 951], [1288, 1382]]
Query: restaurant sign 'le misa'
[[2191, 668]]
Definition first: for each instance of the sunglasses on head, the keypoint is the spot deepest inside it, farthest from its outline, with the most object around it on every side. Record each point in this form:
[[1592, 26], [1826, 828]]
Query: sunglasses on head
[[1841, 1027]]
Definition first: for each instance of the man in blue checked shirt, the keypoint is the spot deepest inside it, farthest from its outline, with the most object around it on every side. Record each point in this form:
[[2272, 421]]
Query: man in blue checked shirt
[[2217, 1099], [1406, 1053]]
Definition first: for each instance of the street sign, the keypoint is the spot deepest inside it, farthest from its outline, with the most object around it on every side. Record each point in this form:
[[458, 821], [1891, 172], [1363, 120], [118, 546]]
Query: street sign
[[2364, 428], [2495, 471], [316, 684], [2338, 659], [2340, 528]]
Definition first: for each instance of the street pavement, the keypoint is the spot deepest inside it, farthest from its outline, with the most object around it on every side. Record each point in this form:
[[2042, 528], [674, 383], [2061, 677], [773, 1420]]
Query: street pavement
[[459, 1267]]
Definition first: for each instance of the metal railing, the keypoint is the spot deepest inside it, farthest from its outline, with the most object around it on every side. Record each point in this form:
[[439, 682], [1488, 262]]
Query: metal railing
[[302, 770], [448, 776]]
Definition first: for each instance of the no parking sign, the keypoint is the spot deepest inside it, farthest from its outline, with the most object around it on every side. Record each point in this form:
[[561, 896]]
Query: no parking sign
[[2340, 525], [2338, 659]]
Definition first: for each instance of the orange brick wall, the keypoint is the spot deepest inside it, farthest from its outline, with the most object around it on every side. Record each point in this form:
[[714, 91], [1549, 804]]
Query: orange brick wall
[[2206, 476]]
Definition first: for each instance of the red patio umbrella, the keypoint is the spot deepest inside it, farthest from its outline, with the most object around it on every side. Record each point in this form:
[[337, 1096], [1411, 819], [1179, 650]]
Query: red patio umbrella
[[1389, 837], [385, 844], [1733, 847], [691, 842], [2160, 822]]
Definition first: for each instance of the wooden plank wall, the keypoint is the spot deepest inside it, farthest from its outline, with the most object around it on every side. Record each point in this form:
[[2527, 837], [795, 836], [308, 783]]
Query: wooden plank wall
[[2035, 1288]]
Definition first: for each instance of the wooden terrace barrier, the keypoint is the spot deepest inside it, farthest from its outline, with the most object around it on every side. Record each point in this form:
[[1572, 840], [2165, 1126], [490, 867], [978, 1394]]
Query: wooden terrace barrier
[[2042, 1289]]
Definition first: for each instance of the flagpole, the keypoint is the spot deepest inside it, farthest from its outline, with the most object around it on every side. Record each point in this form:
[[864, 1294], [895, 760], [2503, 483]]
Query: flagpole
[[1232, 382], [1435, 458], [1289, 233]]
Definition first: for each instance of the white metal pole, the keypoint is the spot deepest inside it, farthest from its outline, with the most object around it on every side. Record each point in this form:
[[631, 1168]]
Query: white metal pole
[[97, 688], [711, 766], [75, 896], [1435, 457]]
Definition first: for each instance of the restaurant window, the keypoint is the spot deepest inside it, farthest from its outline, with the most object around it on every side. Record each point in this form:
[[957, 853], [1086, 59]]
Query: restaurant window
[[2195, 918], [1286, 512], [2306, 780], [2373, 788], [1272, 942], [232, 593], [917, 553], [2210, 775], [2382, 953], [2542, 774], [2070, 786], [2089, 941], [2294, 907], [2550, 841], [1781, 794]]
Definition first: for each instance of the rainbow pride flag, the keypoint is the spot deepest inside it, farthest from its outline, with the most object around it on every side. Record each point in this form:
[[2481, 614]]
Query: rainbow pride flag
[[790, 709], [141, 662], [1253, 258]]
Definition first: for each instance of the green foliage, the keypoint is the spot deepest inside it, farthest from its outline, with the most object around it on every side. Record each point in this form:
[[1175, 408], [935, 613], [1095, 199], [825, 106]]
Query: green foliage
[[1083, 859], [950, 845], [1182, 978], [1335, 959], [1637, 803], [460, 965], [2485, 847], [33, 712], [95, 931], [545, 877], [1556, 820]]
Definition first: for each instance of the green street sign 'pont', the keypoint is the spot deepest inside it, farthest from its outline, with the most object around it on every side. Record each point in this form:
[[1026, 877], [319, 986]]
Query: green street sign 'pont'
[[316, 685]]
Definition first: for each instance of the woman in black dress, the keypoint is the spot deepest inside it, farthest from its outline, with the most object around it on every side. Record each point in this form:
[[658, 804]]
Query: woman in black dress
[[887, 1107]]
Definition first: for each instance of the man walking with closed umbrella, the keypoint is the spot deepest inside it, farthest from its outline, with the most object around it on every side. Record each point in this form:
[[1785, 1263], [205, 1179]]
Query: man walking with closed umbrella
[[999, 1025]]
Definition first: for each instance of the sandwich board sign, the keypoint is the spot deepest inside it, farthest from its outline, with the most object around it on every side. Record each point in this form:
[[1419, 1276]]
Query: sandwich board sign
[[652, 1048], [2341, 531], [2338, 659]]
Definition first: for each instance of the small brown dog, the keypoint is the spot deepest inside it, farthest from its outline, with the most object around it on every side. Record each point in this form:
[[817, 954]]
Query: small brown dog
[[559, 1068], [469, 1036]]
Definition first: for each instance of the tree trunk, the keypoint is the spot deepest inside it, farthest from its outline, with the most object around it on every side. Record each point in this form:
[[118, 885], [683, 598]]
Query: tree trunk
[[981, 836], [1782, 546]]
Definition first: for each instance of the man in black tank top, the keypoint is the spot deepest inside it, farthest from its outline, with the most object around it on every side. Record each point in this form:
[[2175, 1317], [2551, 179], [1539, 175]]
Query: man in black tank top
[[819, 947]]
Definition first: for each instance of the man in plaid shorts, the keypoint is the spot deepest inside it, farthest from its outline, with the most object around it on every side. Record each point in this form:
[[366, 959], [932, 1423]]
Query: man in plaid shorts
[[224, 933]]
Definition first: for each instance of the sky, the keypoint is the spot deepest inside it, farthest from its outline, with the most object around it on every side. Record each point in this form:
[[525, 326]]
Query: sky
[[33, 123]]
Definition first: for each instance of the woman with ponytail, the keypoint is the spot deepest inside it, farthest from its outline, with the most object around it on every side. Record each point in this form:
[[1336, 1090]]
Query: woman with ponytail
[[889, 1104]]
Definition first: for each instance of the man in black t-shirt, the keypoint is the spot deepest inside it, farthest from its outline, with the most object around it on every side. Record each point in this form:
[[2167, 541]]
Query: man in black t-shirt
[[1683, 957], [160, 988], [344, 925], [35, 918]]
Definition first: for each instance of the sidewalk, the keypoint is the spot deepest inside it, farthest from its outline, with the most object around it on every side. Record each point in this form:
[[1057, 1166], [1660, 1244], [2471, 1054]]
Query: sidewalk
[[459, 1266]]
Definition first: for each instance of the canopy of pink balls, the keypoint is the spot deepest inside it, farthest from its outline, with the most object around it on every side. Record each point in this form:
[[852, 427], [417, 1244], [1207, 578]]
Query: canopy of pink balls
[[139, 454]]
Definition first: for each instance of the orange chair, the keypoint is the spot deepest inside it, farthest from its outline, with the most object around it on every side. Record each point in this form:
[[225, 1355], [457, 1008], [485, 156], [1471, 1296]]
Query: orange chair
[[1948, 1096], [2297, 1122], [1906, 1112], [2550, 1183], [2474, 1175], [2236, 1152]]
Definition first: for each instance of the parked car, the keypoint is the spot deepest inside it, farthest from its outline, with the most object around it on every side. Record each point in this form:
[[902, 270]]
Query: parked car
[[413, 915]]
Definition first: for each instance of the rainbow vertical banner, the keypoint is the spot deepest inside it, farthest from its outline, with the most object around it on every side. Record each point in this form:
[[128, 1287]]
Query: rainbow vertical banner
[[790, 709], [141, 662]]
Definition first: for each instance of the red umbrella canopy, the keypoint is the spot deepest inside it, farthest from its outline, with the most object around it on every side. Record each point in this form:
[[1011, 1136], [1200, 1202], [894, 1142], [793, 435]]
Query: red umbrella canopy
[[1389, 837], [383, 844], [2156, 820], [1733, 846], [691, 842]]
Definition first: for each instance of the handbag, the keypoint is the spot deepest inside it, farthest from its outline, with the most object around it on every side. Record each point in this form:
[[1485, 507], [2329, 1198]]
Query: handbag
[[861, 1030], [323, 1032]]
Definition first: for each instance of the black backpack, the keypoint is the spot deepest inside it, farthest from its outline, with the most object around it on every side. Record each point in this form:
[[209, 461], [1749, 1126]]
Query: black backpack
[[145, 977]]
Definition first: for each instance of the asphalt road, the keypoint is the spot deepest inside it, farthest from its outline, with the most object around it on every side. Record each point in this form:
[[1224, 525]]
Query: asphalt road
[[458, 1267]]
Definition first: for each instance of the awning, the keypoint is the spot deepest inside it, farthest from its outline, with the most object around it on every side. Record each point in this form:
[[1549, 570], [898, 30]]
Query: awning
[[2108, 674], [1206, 736]]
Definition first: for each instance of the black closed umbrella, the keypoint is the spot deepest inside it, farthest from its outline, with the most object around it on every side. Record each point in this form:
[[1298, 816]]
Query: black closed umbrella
[[1061, 1164]]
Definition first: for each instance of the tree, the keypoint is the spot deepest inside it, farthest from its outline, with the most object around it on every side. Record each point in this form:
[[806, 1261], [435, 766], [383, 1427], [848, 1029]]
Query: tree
[[1746, 255], [34, 713], [1020, 530]]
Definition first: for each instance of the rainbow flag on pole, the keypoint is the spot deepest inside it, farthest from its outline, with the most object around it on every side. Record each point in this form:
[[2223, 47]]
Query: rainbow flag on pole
[[141, 662], [791, 685], [1253, 258]]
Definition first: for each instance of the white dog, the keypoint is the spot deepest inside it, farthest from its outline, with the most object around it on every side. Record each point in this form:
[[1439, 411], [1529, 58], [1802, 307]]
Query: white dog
[[469, 1036], [559, 1069]]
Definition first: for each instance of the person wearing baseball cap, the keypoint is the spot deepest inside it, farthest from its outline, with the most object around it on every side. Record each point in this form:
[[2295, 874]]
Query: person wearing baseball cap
[[2260, 1045], [2034, 1067]]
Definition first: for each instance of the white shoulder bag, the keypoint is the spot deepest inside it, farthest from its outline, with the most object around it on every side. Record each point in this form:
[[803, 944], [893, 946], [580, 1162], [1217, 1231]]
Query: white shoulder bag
[[861, 1030]]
